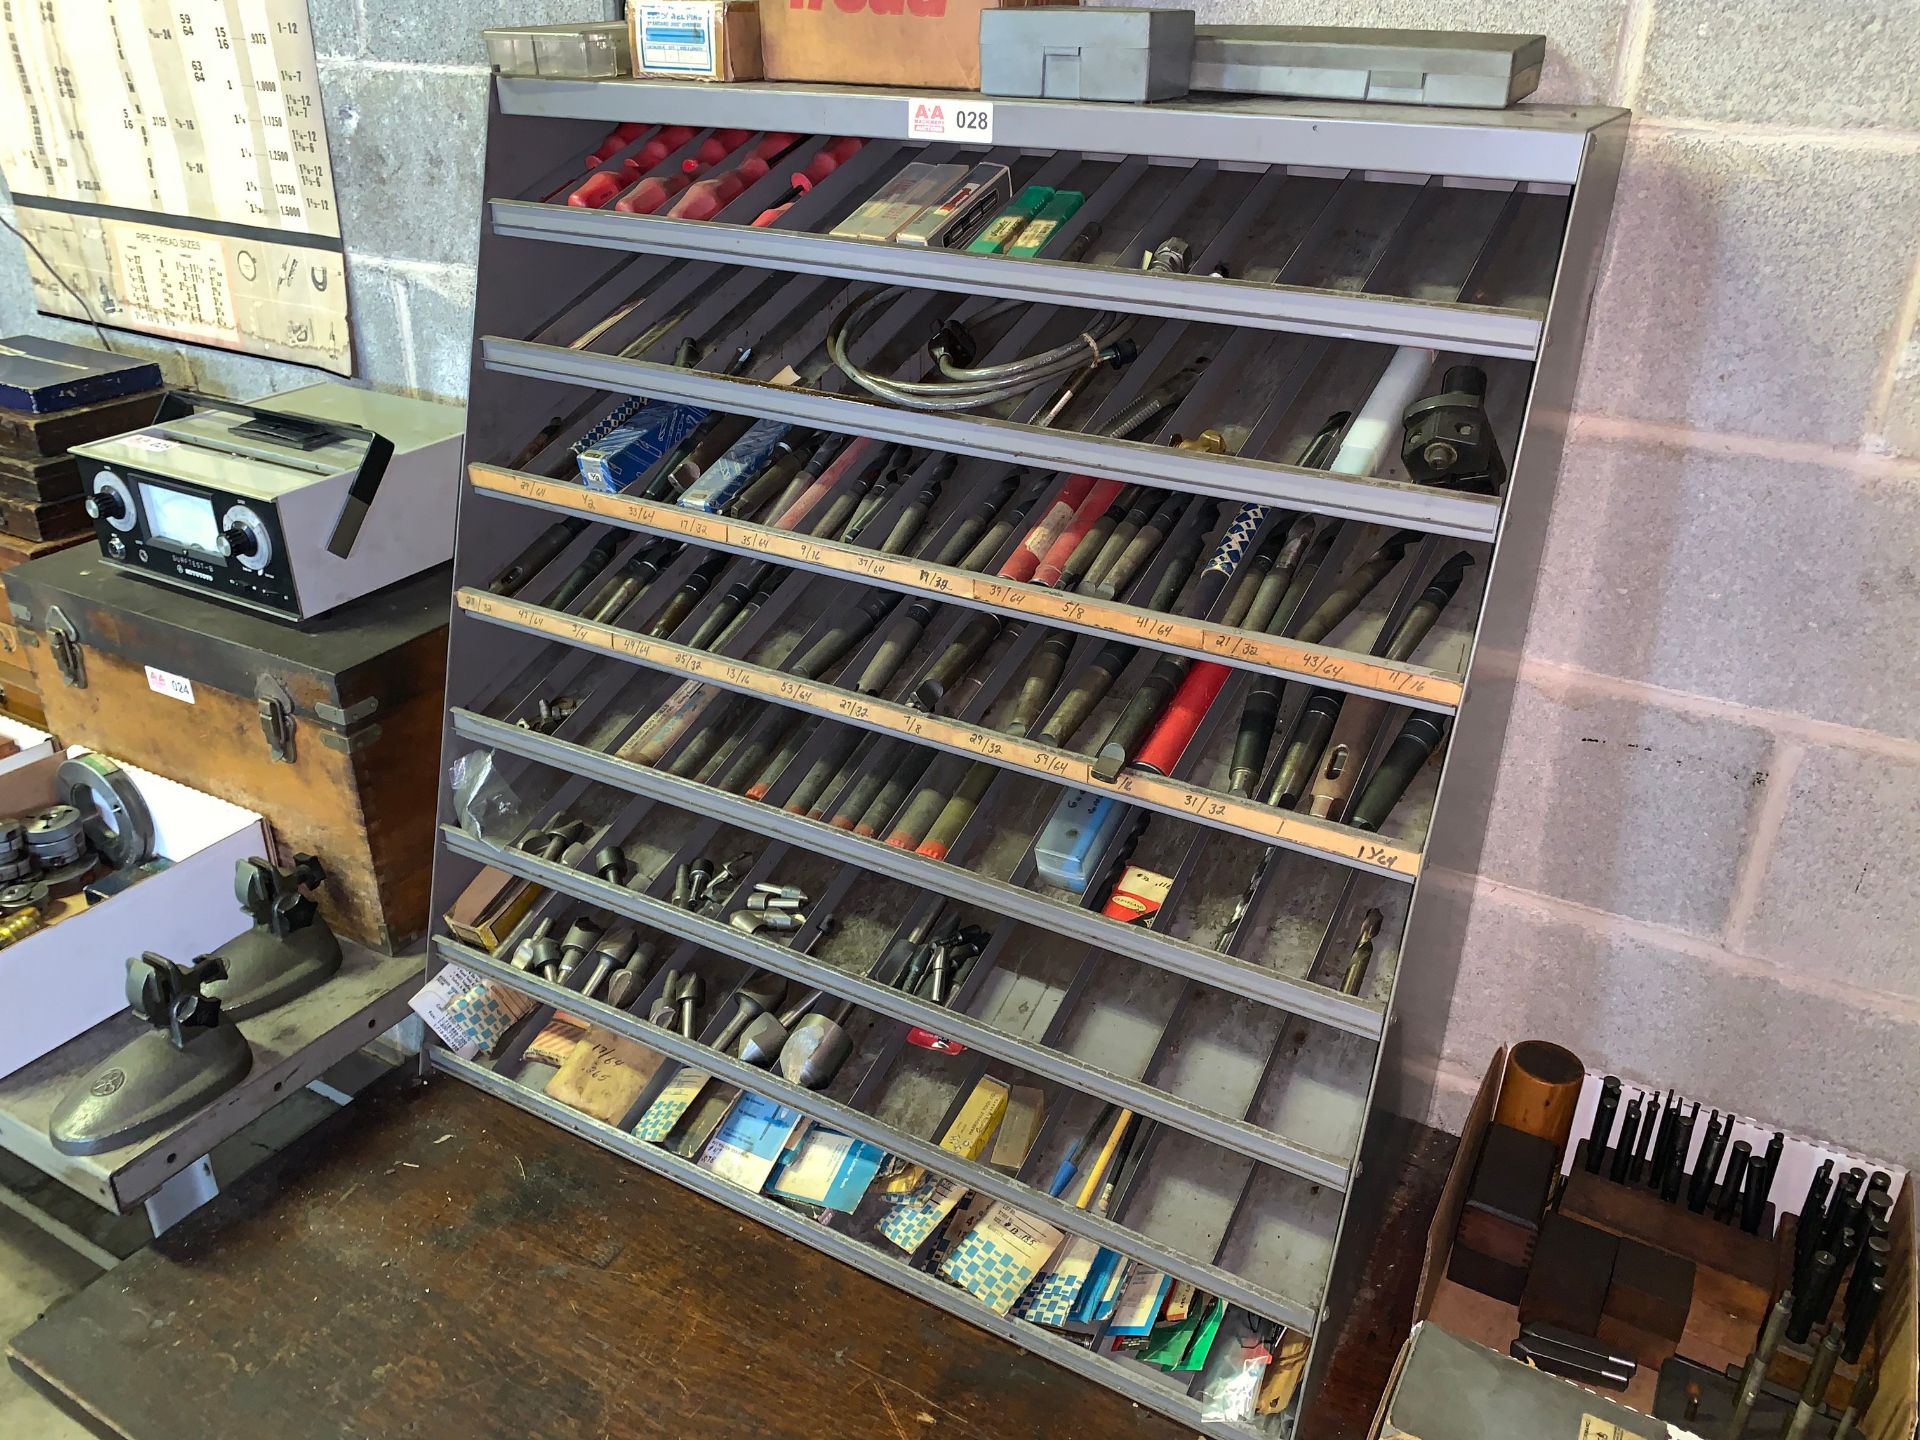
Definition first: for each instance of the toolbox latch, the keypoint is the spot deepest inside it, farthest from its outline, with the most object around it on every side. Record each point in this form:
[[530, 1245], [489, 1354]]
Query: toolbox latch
[[64, 641], [276, 718]]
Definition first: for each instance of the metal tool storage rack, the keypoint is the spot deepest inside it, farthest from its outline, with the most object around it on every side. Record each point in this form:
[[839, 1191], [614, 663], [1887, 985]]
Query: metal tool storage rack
[[1351, 234]]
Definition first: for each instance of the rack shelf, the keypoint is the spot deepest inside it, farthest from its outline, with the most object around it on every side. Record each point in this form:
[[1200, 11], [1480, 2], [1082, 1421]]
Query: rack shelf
[[1331, 248], [1313, 1002], [1403, 683], [1544, 142], [1373, 502], [1159, 1105], [1437, 325], [1358, 848], [1132, 1381], [1296, 1312]]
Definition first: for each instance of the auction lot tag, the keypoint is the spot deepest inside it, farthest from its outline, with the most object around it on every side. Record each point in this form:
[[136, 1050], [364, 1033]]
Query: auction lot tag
[[943, 117]]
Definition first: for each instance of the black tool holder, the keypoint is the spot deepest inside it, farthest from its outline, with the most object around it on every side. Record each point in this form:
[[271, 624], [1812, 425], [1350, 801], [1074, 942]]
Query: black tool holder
[[191, 1056], [290, 949]]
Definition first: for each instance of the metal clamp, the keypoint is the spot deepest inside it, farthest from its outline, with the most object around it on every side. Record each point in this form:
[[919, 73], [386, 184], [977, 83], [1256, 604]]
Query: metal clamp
[[64, 641], [276, 718]]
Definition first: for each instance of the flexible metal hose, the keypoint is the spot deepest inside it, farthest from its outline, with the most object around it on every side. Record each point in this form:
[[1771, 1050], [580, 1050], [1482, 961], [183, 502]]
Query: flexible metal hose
[[972, 388]]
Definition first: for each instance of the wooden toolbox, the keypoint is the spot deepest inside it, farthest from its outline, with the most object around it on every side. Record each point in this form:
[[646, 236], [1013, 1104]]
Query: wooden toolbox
[[330, 731]]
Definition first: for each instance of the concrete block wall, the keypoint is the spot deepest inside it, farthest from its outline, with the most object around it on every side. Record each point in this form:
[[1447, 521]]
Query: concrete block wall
[[1700, 867], [1699, 872]]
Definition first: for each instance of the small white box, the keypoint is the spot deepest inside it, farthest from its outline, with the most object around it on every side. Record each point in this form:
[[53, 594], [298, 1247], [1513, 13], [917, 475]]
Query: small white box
[[63, 980]]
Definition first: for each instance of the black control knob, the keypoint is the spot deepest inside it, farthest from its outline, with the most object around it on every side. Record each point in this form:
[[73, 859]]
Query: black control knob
[[239, 541], [108, 505], [244, 537]]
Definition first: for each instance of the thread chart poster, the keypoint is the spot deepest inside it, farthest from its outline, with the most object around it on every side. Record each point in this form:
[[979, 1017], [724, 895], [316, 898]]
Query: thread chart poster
[[169, 159]]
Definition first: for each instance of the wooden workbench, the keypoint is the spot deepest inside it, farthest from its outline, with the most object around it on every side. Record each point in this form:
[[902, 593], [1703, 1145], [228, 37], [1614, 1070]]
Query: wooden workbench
[[433, 1265]]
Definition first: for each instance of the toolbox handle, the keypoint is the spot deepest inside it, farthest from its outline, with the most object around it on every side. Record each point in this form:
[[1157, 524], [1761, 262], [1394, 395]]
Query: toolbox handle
[[305, 433]]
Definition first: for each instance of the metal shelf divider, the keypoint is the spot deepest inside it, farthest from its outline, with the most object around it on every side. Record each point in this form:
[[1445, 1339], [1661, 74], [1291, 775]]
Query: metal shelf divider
[[1258, 482], [1469, 329], [1311, 1002], [1372, 183], [1403, 683]]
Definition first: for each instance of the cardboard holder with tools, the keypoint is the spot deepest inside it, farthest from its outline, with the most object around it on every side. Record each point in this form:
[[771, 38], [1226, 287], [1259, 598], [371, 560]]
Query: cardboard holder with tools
[[1735, 1276]]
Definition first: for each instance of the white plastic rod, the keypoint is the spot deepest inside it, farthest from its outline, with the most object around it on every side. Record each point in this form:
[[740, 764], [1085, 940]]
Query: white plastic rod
[[1379, 422]]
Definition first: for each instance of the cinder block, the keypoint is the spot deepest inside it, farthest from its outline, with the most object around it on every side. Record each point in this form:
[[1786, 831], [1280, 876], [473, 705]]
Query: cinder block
[[1900, 428], [242, 377], [1654, 1014], [336, 27], [1582, 35], [1783, 585], [1628, 808], [379, 316], [439, 308], [407, 147], [1749, 286], [447, 32], [1832, 63], [1839, 899]]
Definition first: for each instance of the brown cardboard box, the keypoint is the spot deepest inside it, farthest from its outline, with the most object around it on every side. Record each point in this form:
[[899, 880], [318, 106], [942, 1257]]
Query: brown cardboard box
[[935, 43], [1721, 1320], [729, 49]]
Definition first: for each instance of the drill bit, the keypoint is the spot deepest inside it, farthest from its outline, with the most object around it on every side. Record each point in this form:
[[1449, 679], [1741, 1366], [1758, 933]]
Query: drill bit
[[1362, 953]]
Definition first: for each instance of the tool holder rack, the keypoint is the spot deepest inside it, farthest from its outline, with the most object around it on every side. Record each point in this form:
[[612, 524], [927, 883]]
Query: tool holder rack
[[1348, 231]]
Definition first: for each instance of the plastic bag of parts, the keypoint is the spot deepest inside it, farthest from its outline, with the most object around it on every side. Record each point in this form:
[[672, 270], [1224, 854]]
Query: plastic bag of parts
[[1235, 1371], [723, 480], [483, 802]]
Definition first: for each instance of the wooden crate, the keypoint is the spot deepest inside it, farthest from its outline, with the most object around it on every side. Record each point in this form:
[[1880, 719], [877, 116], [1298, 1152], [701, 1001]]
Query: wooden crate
[[180, 685]]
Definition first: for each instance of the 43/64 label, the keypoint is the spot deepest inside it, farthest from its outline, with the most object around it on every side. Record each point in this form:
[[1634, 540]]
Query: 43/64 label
[[942, 117]]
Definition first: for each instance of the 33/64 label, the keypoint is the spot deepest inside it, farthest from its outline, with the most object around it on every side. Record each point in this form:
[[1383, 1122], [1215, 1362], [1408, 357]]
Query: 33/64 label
[[942, 117]]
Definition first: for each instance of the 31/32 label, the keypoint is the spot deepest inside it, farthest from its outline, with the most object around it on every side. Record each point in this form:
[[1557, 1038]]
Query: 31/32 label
[[942, 117]]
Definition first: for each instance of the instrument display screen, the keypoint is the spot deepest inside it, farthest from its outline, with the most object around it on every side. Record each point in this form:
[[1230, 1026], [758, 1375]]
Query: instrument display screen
[[183, 519]]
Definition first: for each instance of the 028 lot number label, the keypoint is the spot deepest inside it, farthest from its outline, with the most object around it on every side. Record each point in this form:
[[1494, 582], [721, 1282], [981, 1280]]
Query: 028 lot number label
[[941, 117]]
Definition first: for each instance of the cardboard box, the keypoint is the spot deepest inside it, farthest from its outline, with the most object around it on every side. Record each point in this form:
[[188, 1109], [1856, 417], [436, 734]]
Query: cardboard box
[[935, 43], [68, 977], [494, 903], [1722, 1319], [695, 39]]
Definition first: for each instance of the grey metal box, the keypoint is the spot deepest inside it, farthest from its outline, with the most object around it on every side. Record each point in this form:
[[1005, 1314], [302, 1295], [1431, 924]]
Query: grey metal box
[[1064, 52], [1333, 62]]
